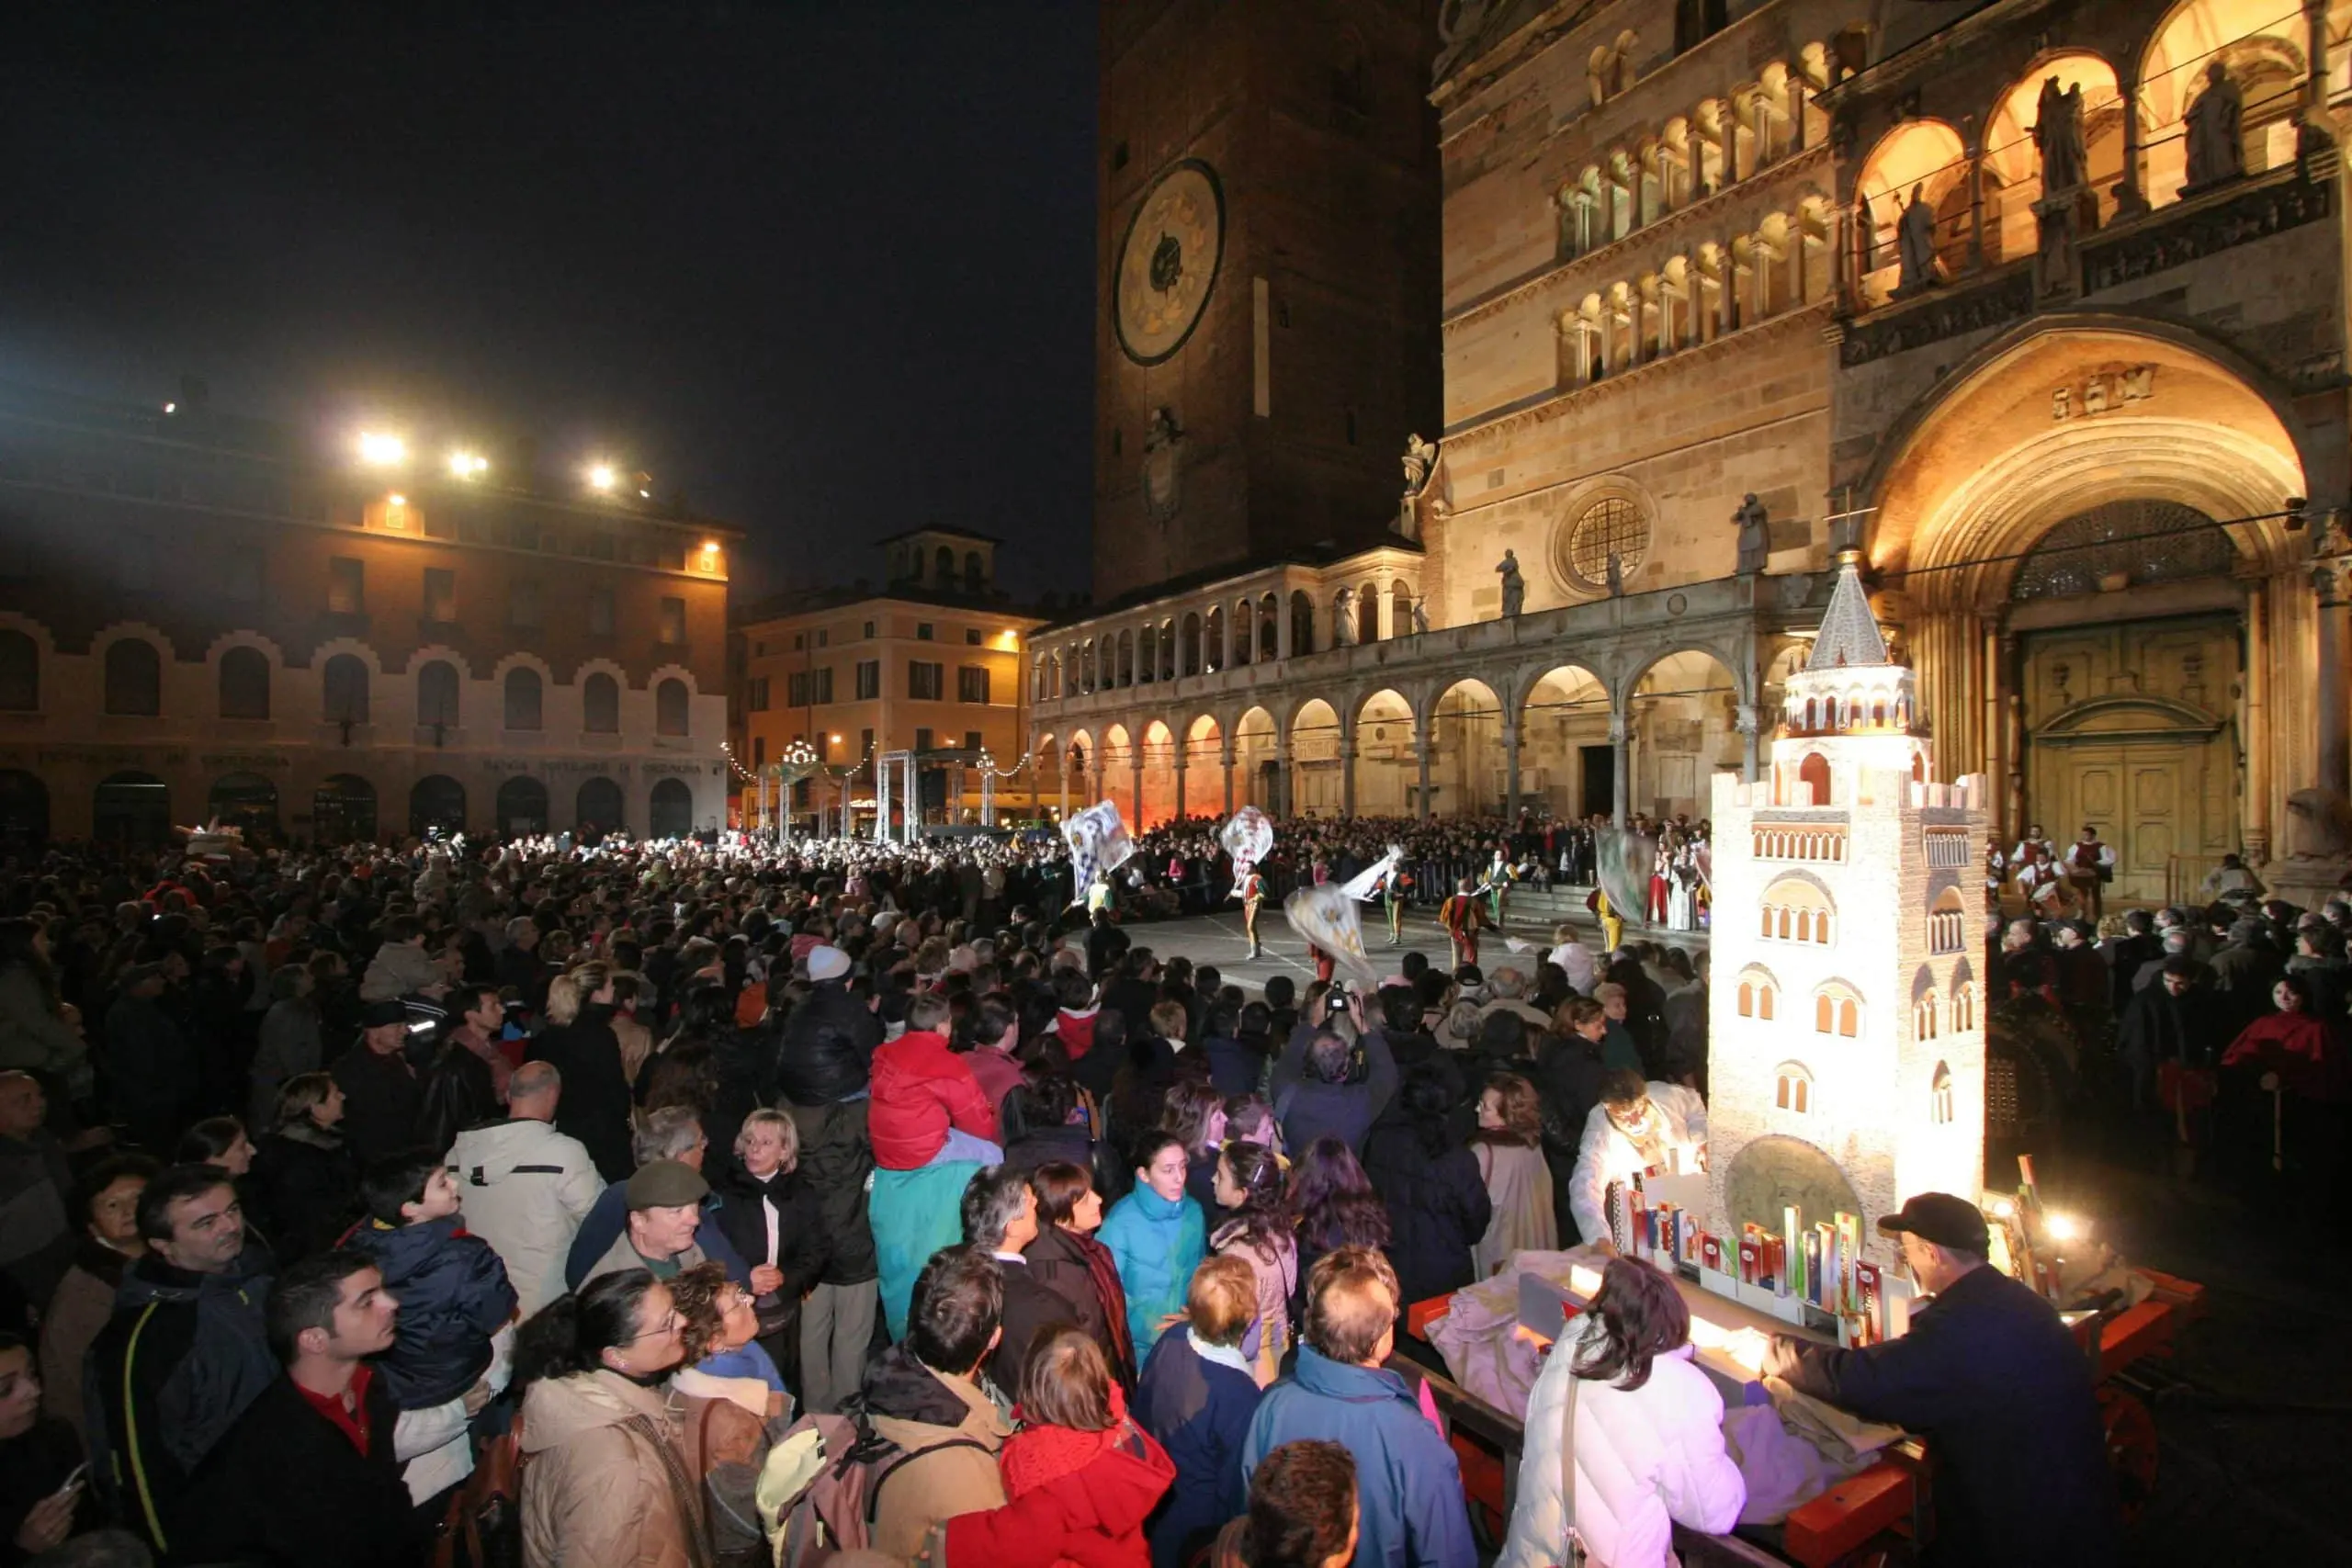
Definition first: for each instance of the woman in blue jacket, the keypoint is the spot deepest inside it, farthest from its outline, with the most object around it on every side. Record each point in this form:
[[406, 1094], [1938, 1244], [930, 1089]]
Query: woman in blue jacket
[[1157, 1235]]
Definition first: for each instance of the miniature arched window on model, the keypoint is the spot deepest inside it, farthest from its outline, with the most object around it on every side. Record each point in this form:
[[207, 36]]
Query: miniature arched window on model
[[1792, 1090], [1927, 1016], [1963, 1009], [1836, 1011], [1814, 770], [1939, 1103], [1795, 910], [1757, 997], [1946, 923]]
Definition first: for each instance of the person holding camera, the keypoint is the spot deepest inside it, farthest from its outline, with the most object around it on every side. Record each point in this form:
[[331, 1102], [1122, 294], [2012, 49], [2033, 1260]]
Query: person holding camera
[[1316, 1090]]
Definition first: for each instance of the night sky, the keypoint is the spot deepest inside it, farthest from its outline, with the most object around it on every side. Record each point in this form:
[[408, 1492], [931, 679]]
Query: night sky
[[824, 269]]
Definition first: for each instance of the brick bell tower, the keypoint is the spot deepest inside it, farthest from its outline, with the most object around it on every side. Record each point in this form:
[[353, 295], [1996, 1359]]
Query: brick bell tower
[[1267, 247], [1846, 1062]]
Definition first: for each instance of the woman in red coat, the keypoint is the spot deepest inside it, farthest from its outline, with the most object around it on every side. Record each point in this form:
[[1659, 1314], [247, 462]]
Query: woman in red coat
[[2306, 1119], [1083, 1478]]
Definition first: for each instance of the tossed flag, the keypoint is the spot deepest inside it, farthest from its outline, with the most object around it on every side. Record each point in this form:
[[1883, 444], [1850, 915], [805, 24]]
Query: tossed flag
[[1366, 883], [1623, 860], [1249, 839], [1099, 844], [1326, 917]]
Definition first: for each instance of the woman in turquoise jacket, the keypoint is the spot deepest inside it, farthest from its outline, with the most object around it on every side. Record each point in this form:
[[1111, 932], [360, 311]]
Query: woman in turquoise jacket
[[1157, 1235]]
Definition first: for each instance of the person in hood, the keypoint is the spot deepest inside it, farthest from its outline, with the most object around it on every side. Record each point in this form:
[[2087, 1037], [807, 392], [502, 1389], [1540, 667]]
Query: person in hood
[[823, 1089], [452, 1287], [924, 1094], [1157, 1235], [923, 1394], [1411, 1498], [1081, 1477], [606, 1480], [830, 1007], [105, 1220], [182, 1357], [1649, 1441], [310, 1473], [527, 1187]]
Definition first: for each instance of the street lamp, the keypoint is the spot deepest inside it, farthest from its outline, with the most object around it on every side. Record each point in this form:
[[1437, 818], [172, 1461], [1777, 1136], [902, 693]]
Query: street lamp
[[381, 449], [603, 477], [464, 465]]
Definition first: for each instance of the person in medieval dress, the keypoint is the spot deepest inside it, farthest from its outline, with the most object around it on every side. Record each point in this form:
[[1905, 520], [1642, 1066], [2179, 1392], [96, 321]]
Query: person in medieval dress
[[1681, 902], [1499, 879], [1661, 875]]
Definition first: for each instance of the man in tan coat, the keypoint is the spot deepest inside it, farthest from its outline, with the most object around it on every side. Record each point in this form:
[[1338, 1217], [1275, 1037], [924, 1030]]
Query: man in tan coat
[[926, 1397], [665, 1211]]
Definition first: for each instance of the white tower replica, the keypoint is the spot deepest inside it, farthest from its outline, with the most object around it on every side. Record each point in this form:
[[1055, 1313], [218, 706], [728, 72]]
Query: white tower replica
[[1846, 1064]]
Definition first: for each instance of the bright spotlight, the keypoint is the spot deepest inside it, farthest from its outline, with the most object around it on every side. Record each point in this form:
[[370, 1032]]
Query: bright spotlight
[[171, 408], [396, 500], [2063, 1227], [602, 476], [376, 448], [467, 465]]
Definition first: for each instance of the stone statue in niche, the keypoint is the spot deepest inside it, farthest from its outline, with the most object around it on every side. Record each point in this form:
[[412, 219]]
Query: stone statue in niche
[[1616, 576], [1420, 457], [1163, 465], [1754, 536], [2216, 146], [2058, 137], [1514, 585], [1420, 618], [1914, 242], [1343, 618]]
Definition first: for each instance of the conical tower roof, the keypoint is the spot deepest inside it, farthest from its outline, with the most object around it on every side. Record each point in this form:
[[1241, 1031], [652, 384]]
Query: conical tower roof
[[1850, 637]]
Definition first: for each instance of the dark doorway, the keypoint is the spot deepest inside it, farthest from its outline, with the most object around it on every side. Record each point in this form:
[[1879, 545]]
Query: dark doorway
[[522, 808], [248, 803], [437, 803], [1597, 766], [24, 808], [673, 810], [600, 810], [343, 811], [134, 809]]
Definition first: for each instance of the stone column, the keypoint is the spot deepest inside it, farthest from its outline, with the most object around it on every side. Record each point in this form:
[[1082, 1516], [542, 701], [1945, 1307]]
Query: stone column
[[1280, 804], [2256, 807], [1348, 775], [2131, 201], [1421, 760], [1621, 735], [2335, 760], [1281, 629], [1749, 725], [1134, 819], [1511, 773], [2011, 677], [1225, 654], [1225, 764], [1180, 785], [1976, 207]]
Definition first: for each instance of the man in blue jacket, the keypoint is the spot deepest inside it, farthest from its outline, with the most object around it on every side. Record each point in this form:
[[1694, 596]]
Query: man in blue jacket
[[1408, 1485], [1998, 1387]]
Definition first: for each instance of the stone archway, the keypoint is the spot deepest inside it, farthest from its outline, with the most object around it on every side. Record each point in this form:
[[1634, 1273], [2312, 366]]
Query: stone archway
[[1316, 789], [1682, 722], [2093, 507], [1567, 763]]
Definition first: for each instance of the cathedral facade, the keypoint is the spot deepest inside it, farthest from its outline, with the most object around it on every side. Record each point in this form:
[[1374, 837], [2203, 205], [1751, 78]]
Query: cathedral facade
[[2046, 313]]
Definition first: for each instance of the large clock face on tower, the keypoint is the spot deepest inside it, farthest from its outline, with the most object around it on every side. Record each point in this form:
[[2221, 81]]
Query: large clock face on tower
[[1167, 262]]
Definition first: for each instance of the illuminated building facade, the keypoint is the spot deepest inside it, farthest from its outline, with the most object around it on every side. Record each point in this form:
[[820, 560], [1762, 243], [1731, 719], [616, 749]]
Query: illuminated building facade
[[204, 616]]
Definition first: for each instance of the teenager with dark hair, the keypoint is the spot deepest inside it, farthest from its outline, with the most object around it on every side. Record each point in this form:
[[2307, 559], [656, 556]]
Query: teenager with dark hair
[[452, 1287], [923, 1394], [1438, 1207], [1251, 1189], [1302, 1511], [1334, 1205], [1157, 1235]]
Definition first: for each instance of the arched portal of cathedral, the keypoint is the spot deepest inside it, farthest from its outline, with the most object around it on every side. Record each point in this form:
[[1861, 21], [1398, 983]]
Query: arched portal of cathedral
[[2130, 722]]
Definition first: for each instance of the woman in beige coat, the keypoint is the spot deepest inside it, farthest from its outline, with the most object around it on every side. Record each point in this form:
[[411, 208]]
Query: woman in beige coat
[[605, 1480]]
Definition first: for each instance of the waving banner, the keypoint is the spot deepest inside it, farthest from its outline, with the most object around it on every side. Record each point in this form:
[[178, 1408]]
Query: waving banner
[[1099, 844], [1326, 917], [1367, 882], [1624, 859], [1249, 839]]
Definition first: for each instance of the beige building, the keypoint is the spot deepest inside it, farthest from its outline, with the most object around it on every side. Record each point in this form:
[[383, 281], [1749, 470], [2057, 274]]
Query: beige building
[[207, 616], [2092, 438], [931, 664]]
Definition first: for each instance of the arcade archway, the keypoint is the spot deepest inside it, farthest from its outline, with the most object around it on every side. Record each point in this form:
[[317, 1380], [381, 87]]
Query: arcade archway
[[1683, 719], [1568, 766], [1467, 774], [1387, 767]]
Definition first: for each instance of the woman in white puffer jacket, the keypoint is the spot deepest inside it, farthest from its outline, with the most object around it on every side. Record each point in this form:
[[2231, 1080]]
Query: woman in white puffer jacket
[[1649, 1438]]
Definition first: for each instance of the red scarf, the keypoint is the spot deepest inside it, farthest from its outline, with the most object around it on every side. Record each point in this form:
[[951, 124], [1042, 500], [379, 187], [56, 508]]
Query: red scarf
[[1038, 1456], [1103, 1269]]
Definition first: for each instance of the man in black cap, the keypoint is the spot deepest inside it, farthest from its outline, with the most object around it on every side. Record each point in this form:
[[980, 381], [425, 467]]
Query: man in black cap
[[382, 1094], [665, 1211], [1998, 1387]]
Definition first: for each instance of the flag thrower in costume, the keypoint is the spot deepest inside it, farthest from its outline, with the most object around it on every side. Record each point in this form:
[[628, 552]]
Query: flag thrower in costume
[[1249, 839], [1099, 844], [1624, 860], [1367, 882], [1326, 917]]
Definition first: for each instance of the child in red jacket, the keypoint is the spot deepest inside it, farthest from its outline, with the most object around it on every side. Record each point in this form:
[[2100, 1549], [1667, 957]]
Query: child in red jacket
[[1083, 1478], [923, 1092]]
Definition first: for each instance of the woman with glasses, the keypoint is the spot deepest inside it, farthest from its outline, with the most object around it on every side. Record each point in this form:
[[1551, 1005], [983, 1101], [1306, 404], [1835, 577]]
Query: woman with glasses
[[607, 1481], [723, 1356]]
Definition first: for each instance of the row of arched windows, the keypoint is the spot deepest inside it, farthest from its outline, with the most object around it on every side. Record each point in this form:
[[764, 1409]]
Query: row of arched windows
[[1931, 1021], [1836, 1009], [134, 688], [1794, 1092]]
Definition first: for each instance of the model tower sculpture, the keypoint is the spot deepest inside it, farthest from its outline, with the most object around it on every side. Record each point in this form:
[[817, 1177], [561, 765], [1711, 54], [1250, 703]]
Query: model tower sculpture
[[1846, 1064]]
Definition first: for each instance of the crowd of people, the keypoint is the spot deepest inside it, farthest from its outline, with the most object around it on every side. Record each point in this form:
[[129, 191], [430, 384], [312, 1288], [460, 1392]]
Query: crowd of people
[[338, 1188]]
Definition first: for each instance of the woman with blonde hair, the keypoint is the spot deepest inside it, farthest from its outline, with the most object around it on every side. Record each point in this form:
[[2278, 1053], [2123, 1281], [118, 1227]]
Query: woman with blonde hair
[[1509, 1147], [579, 1041], [771, 1219]]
